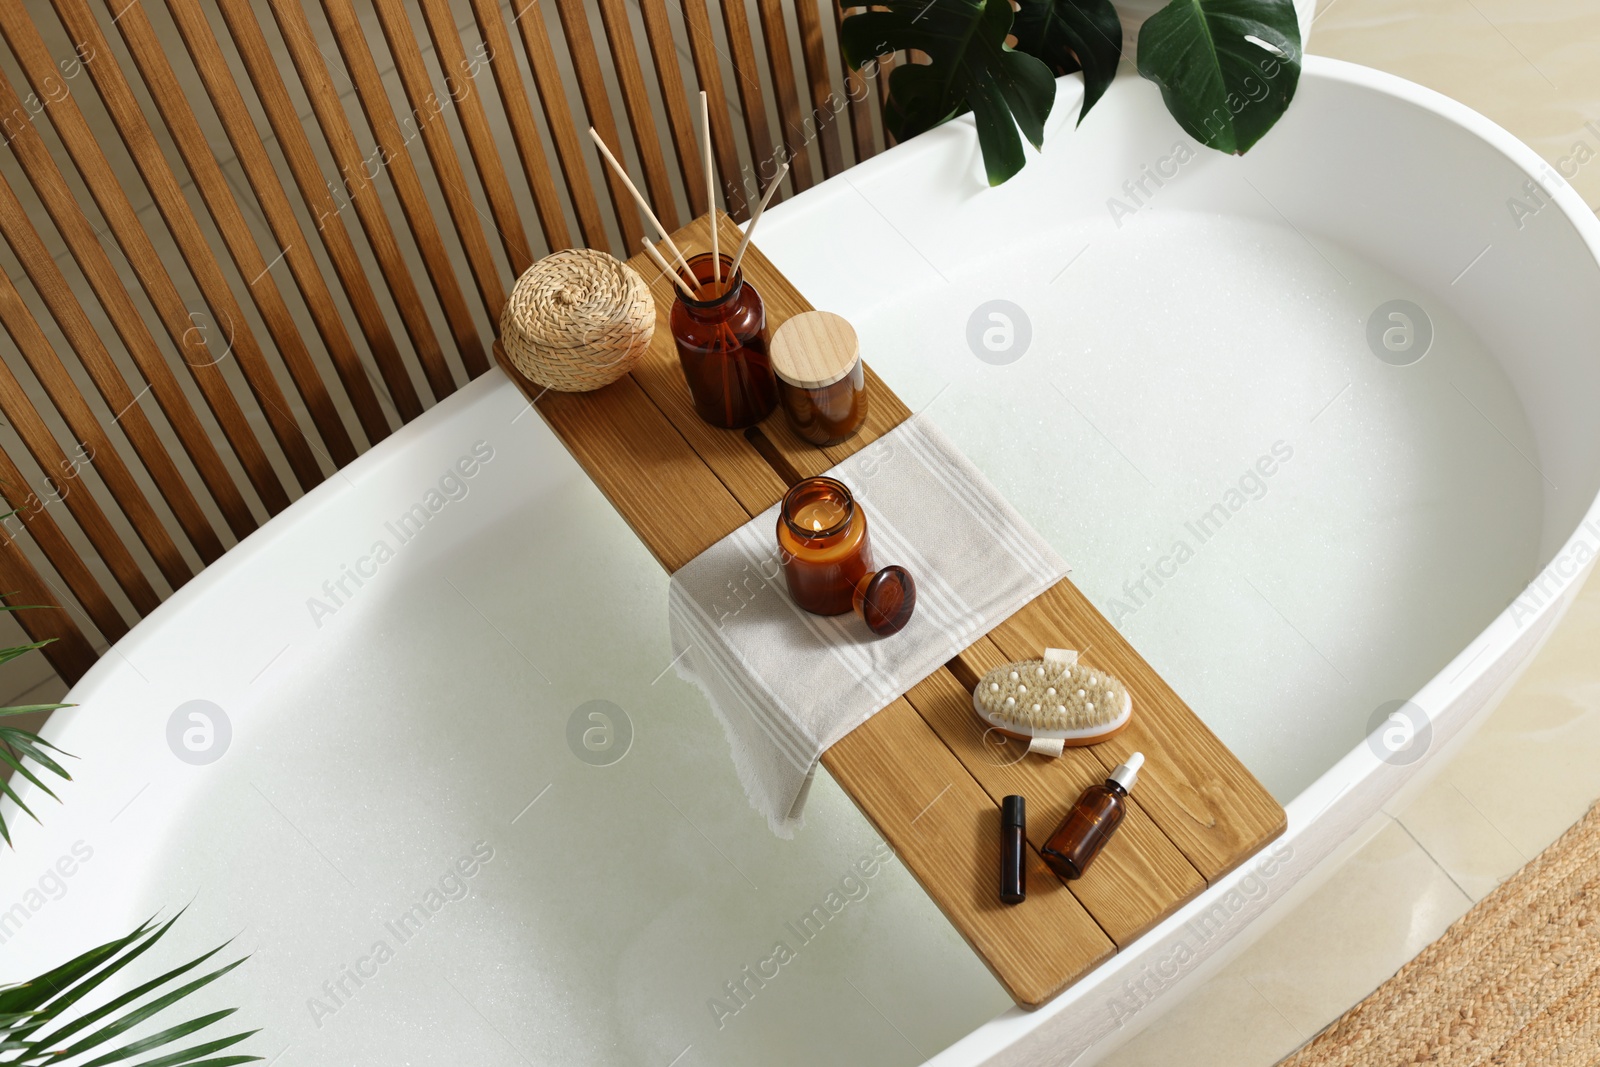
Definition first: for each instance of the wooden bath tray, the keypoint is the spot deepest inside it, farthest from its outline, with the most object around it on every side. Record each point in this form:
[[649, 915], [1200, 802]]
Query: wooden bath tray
[[918, 769]]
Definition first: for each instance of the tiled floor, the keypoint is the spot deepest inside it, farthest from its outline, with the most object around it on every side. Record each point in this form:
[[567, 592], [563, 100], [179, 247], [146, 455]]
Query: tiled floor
[[1534, 768]]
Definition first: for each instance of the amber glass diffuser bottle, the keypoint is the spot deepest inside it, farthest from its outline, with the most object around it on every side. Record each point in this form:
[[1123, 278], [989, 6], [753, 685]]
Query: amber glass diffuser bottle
[[1091, 822], [721, 337], [827, 558], [821, 381]]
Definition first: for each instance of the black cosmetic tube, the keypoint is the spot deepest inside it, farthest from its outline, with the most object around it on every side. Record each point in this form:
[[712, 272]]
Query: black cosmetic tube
[[1013, 832]]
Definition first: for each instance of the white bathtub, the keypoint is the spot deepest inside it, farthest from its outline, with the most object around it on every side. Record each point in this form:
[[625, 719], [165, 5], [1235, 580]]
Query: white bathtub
[[426, 719]]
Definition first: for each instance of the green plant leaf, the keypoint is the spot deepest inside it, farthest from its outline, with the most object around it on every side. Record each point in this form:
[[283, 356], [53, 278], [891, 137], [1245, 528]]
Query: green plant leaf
[[1071, 35], [93, 980], [1227, 68], [139, 1015], [17, 744], [5, 788], [9, 654], [29, 1007], [32, 995], [971, 68], [30, 709], [18, 766], [33, 746]]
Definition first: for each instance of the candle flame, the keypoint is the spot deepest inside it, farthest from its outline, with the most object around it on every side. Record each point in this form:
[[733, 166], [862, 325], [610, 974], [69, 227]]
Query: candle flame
[[816, 524]]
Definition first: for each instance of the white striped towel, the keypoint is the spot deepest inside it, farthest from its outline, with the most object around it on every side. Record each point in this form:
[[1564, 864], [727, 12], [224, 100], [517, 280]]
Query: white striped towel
[[787, 684]]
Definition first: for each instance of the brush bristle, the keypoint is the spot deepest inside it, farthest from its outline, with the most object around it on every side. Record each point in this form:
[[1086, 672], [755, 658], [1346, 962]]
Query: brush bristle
[[1052, 696]]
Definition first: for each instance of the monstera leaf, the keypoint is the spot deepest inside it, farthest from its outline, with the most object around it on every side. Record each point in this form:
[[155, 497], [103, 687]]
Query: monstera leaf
[[1071, 35], [1227, 68], [971, 69]]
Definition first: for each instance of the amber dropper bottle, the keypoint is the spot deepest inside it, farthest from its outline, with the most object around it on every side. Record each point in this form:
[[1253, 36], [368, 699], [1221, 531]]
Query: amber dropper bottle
[[1091, 822]]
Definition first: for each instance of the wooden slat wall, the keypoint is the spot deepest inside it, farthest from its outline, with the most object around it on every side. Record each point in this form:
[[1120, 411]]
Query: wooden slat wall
[[304, 201]]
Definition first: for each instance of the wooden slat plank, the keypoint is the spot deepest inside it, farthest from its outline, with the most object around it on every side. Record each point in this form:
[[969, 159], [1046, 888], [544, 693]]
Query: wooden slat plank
[[529, 20], [84, 148], [886, 64], [597, 105], [260, 172], [460, 81], [69, 651], [402, 173], [53, 288], [428, 112], [253, 265], [1193, 787], [752, 105], [625, 60], [708, 72], [227, 316], [287, 127], [356, 191], [859, 91], [824, 124], [795, 140], [686, 136], [18, 577], [1138, 880], [21, 415], [51, 186], [946, 831], [680, 509], [524, 133]]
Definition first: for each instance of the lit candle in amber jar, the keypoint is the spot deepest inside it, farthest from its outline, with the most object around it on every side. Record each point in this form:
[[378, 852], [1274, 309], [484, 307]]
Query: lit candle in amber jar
[[819, 515], [827, 558]]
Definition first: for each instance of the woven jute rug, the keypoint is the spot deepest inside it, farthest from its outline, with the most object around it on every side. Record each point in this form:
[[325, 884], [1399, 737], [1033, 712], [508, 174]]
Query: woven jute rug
[[1515, 981]]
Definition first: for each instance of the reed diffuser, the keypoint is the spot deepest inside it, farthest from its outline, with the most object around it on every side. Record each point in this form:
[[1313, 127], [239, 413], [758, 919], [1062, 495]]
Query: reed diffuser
[[721, 337], [719, 323]]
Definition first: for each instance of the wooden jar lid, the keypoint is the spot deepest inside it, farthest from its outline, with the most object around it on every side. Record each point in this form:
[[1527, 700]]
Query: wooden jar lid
[[814, 349]]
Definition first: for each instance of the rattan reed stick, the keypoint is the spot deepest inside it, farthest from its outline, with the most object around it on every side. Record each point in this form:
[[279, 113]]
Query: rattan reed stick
[[755, 217], [666, 268], [644, 205], [711, 186]]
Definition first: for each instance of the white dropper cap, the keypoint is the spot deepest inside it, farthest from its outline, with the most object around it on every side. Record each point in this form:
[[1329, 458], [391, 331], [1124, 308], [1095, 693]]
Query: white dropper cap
[[1128, 773]]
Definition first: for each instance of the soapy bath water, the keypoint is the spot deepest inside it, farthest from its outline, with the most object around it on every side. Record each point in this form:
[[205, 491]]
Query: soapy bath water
[[1291, 530]]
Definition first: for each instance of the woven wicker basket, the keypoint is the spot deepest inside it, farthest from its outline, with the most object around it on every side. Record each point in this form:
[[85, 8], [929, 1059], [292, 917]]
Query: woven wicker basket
[[577, 320]]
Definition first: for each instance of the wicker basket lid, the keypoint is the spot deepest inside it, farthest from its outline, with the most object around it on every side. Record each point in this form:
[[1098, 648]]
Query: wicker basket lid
[[577, 320], [814, 349]]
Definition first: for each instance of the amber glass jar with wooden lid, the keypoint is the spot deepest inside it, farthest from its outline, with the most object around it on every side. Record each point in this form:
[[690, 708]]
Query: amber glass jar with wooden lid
[[821, 381]]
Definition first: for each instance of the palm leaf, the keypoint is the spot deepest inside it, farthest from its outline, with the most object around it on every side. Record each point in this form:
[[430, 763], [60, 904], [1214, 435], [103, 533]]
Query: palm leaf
[[32, 709], [17, 744], [29, 1007], [9, 654]]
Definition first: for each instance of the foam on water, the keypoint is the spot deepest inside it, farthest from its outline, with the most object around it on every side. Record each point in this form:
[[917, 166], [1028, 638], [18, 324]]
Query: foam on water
[[1169, 369], [427, 726]]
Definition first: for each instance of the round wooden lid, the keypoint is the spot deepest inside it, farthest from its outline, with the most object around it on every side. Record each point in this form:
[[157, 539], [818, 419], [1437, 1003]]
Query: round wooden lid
[[814, 349]]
